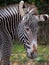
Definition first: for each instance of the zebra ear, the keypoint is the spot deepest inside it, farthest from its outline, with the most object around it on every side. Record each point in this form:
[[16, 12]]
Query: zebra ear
[[46, 17], [21, 8], [42, 17]]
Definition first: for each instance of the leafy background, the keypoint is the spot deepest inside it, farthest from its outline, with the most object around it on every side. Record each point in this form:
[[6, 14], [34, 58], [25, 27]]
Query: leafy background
[[43, 5]]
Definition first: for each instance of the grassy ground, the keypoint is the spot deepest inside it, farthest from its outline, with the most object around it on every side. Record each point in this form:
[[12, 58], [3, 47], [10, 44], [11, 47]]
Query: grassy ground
[[19, 55]]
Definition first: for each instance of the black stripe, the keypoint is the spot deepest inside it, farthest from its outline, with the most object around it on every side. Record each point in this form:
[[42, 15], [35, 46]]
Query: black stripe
[[22, 37], [10, 17], [12, 26], [10, 22], [28, 42], [26, 46], [4, 21]]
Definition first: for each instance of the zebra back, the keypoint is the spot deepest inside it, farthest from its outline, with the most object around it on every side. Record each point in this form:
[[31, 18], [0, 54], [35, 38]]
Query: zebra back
[[10, 18]]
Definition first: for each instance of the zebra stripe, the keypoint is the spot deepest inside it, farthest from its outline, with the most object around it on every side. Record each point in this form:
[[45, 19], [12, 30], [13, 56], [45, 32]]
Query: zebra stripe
[[10, 17], [24, 38]]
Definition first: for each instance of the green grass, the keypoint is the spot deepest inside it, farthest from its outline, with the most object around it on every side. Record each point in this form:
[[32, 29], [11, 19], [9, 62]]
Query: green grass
[[19, 53], [17, 47], [43, 49]]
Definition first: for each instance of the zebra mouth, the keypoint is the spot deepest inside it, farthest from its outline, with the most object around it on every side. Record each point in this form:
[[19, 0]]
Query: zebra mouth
[[32, 55]]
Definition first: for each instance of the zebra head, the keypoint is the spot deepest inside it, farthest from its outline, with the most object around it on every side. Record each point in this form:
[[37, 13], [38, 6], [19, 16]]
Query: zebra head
[[28, 29], [27, 33]]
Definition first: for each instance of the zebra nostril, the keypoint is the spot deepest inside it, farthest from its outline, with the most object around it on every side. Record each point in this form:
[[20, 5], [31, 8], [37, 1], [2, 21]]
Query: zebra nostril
[[32, 54]]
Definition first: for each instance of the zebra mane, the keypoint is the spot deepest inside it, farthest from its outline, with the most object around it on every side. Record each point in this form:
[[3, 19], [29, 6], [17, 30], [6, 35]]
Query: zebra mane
[[31, 12]]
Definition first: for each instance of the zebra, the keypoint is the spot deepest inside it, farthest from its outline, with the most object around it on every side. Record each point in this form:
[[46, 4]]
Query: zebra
[[9, 20], [28, 30], [14, 22]]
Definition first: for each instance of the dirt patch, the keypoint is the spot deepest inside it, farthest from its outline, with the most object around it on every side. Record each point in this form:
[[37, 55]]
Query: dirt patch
[[22, 59], [29, 63]]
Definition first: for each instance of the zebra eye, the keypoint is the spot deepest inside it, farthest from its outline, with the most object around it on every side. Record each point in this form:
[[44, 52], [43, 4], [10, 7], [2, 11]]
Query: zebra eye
[[27, 29]]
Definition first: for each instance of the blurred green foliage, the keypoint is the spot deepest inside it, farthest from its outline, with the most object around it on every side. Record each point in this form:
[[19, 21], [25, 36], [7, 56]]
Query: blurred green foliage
[[43, 34], [43, 5], [19, 53]]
